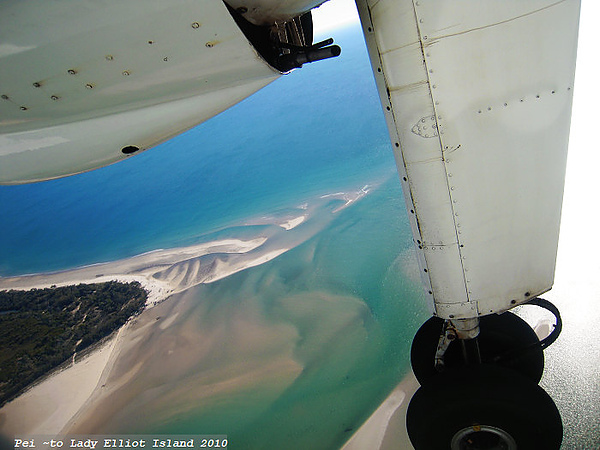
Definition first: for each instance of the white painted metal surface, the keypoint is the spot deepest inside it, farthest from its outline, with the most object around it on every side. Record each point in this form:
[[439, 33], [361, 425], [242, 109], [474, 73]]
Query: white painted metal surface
[[80, 80], [262, 12], [478, 101]]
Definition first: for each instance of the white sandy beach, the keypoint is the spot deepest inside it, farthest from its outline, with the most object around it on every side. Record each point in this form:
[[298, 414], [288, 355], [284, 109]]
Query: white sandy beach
[[385, 428], [49, 405], [149, 269]]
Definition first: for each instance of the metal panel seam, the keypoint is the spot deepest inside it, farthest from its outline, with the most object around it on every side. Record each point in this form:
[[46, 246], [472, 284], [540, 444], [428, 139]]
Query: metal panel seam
[[434, 105], [364, 10], [437, 38]]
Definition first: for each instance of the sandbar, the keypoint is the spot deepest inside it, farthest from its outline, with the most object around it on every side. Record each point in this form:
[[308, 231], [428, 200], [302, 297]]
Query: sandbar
[[292, 223], [151, 269], [50, 404], [348, 197]]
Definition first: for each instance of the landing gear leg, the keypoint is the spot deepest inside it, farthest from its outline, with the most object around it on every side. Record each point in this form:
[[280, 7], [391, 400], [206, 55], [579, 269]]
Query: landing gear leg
[[479, 385], [505, 340], [467, 331]]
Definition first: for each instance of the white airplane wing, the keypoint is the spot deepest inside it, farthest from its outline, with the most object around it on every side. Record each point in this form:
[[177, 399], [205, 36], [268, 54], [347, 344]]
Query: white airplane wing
[[478, 99], [84, 84]]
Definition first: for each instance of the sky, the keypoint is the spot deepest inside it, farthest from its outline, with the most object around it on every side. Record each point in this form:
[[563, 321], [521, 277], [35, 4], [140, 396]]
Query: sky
[[333, 14], [578, 245]]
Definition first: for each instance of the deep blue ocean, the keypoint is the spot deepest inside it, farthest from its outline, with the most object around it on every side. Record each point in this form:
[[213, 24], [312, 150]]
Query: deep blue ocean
[[317, 130]]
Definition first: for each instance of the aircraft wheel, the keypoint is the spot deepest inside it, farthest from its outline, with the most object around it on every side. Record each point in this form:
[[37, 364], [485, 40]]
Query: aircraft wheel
[[483, 407], [500, 339]]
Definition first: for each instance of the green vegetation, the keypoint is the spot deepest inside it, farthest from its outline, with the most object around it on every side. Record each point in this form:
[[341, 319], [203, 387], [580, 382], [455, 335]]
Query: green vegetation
[[42, 328]]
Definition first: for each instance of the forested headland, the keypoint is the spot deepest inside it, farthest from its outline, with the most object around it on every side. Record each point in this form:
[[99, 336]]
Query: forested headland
[[42, 328]]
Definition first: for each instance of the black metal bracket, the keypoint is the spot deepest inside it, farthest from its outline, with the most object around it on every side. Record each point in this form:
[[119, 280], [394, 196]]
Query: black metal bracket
[[544, 343], [553, 336], [299, 55], [285, 45]]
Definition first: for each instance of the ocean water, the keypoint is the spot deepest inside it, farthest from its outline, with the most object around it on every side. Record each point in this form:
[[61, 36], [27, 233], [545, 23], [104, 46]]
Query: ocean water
[[295, 353], [343, 304], [352, 300], [314, 131], [334, 316]]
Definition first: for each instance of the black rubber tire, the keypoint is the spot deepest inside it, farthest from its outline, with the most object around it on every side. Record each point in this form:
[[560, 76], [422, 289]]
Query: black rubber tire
[[502, 334], [483, 396]]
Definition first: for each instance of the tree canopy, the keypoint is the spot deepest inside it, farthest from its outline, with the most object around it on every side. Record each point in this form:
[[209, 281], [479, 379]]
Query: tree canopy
[[42, 328]]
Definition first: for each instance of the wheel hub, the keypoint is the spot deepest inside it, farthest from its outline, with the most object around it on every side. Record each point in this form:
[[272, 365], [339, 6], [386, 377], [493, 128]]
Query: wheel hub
[[482, 437]]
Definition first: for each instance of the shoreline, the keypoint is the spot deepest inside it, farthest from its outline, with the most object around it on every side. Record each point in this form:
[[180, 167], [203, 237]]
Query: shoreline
[[385, 427], [47, 406], [50, 404], [146, 269]]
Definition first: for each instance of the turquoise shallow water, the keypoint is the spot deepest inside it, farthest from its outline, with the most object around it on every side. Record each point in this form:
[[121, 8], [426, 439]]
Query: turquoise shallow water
[[363, 257], [343, 306]]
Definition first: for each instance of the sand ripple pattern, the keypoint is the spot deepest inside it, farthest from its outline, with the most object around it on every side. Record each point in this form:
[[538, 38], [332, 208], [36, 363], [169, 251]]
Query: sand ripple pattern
[[190, 272]]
